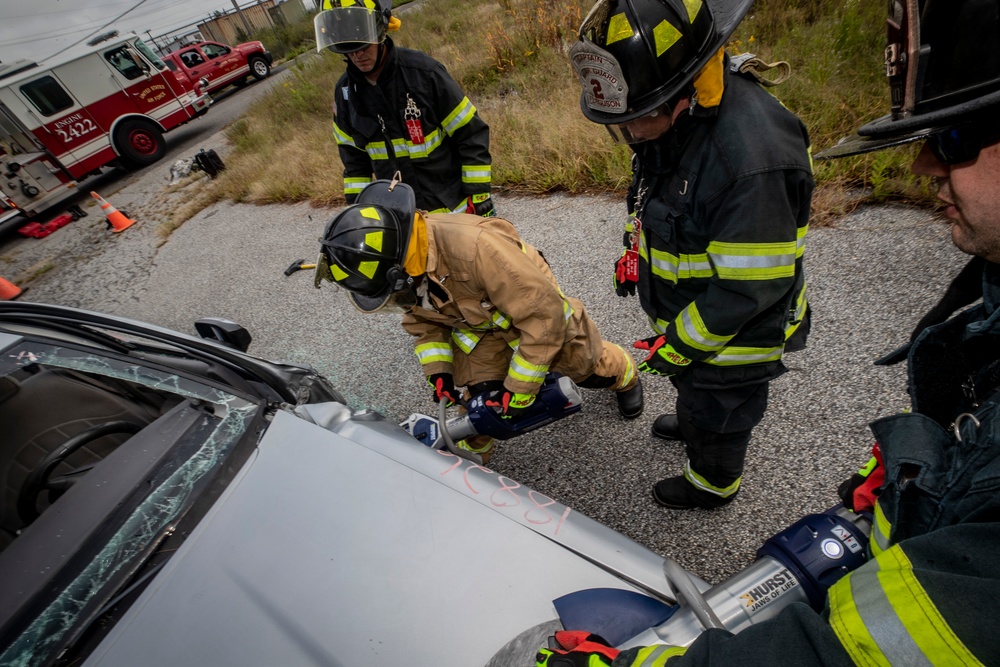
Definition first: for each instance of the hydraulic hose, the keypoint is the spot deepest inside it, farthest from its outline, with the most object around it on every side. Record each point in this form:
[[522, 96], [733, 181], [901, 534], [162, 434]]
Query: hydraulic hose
[[688, 594]]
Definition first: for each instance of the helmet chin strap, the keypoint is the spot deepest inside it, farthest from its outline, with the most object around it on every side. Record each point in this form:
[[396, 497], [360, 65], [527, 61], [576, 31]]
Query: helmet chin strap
[[382, 50]]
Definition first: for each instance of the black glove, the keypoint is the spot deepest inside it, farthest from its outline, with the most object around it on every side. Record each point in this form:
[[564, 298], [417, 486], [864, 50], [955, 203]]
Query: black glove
[[508, 404], [575, 648], [663, 359], [481, 205], [861, 491], [444, 387]]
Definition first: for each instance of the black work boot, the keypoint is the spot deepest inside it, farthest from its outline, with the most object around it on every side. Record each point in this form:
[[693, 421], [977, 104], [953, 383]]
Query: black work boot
[[667, 427], [630, 401], [677, 493]]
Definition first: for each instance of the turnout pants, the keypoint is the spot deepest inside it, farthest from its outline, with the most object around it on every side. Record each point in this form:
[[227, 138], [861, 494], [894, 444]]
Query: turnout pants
[[586, 358], [717, 409]]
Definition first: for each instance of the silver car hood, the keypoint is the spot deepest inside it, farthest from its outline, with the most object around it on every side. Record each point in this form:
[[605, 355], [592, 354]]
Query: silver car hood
[[363, 547]]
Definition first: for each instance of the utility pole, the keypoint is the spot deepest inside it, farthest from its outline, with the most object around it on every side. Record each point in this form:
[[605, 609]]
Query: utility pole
[[274, 28], [246, 24], [155, 45]]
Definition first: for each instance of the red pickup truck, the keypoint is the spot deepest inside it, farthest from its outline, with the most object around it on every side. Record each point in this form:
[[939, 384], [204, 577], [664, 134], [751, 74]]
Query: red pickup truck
[[220, 65]]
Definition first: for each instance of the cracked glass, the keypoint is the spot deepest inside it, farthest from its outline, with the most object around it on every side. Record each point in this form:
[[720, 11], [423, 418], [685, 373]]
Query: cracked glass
[[151, 519]]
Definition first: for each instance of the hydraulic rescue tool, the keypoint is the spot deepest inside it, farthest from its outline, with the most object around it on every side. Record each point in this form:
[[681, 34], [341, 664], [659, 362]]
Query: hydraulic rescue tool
[[558, 397], [798, 564]]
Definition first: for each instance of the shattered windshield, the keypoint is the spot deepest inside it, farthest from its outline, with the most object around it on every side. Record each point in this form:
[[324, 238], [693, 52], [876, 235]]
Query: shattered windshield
[[75, 382]]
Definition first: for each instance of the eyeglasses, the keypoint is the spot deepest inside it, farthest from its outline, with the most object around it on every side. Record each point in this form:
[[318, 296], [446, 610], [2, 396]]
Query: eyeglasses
[[962, 144]]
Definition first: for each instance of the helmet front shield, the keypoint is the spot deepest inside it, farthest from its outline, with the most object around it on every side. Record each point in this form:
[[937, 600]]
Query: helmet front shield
[[348, 29]]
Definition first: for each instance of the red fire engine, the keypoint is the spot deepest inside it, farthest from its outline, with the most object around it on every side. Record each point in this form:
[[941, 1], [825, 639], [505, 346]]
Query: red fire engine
[[63, 120]]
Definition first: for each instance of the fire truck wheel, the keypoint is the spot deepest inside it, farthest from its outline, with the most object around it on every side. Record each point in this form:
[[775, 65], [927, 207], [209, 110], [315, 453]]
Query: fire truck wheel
[[259, 68], [139, 142]]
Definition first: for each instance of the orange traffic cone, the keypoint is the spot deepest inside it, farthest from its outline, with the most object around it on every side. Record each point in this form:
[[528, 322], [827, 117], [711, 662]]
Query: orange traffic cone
[[118, 221], [9, 291]]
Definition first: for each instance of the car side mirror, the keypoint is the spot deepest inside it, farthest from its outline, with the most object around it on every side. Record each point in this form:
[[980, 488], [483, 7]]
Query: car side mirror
[[223, 331]]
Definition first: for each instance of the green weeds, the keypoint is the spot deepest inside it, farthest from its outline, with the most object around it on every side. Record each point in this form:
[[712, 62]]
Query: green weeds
[[510, 57]]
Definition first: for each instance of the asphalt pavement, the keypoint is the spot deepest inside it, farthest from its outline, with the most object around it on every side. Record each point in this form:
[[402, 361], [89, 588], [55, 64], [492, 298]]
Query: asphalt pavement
[[871, 276]]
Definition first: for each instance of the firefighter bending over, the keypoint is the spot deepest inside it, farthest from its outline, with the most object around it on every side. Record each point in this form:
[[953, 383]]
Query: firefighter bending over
[[485, 310]]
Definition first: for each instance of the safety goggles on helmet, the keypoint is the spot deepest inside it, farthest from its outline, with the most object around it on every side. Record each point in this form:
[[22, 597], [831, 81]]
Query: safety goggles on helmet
[[962, 144], [644, 128], [393, 302], [349, 29]]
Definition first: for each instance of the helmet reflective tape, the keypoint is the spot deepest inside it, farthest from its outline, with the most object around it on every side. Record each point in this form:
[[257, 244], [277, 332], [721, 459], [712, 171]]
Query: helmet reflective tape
[[693, 7], [368, 268], [374, 240], [333, 4], [618, 29], [664, 36], [337, 272]]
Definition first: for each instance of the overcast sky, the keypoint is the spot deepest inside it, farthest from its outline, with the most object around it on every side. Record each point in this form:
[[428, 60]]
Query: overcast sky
[[36, 29]]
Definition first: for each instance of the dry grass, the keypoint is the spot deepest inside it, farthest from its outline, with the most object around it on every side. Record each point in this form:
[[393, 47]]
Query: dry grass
[[509, 56]]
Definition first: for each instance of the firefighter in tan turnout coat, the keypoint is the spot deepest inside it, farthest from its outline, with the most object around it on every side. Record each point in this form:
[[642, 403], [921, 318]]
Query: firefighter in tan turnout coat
[[485, 310]]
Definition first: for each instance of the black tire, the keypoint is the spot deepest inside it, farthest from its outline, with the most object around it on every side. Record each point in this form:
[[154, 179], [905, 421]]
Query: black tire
[[259, 69], [139, 142]]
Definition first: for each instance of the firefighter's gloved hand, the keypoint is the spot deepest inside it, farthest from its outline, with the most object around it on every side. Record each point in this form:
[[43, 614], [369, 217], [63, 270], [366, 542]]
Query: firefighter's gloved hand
[[575, 648], [663, 359], [861, 491], [444, 387], [624, 284], [509, 405], [481, 205]]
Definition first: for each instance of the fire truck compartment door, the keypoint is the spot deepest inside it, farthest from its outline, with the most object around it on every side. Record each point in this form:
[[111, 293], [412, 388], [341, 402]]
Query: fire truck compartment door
[[39, 168]]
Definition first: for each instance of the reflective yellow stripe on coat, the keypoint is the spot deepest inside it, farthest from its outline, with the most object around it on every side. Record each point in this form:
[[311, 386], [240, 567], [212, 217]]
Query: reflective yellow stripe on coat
[[521, 370], [884, 617], [656, 655], [429, 353]]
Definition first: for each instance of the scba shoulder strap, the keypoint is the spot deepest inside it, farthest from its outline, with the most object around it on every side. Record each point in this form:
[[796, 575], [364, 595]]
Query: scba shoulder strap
[[750, 65]]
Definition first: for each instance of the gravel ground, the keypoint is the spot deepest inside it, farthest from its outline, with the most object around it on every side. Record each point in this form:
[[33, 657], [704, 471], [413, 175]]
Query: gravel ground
[[871, 276]]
